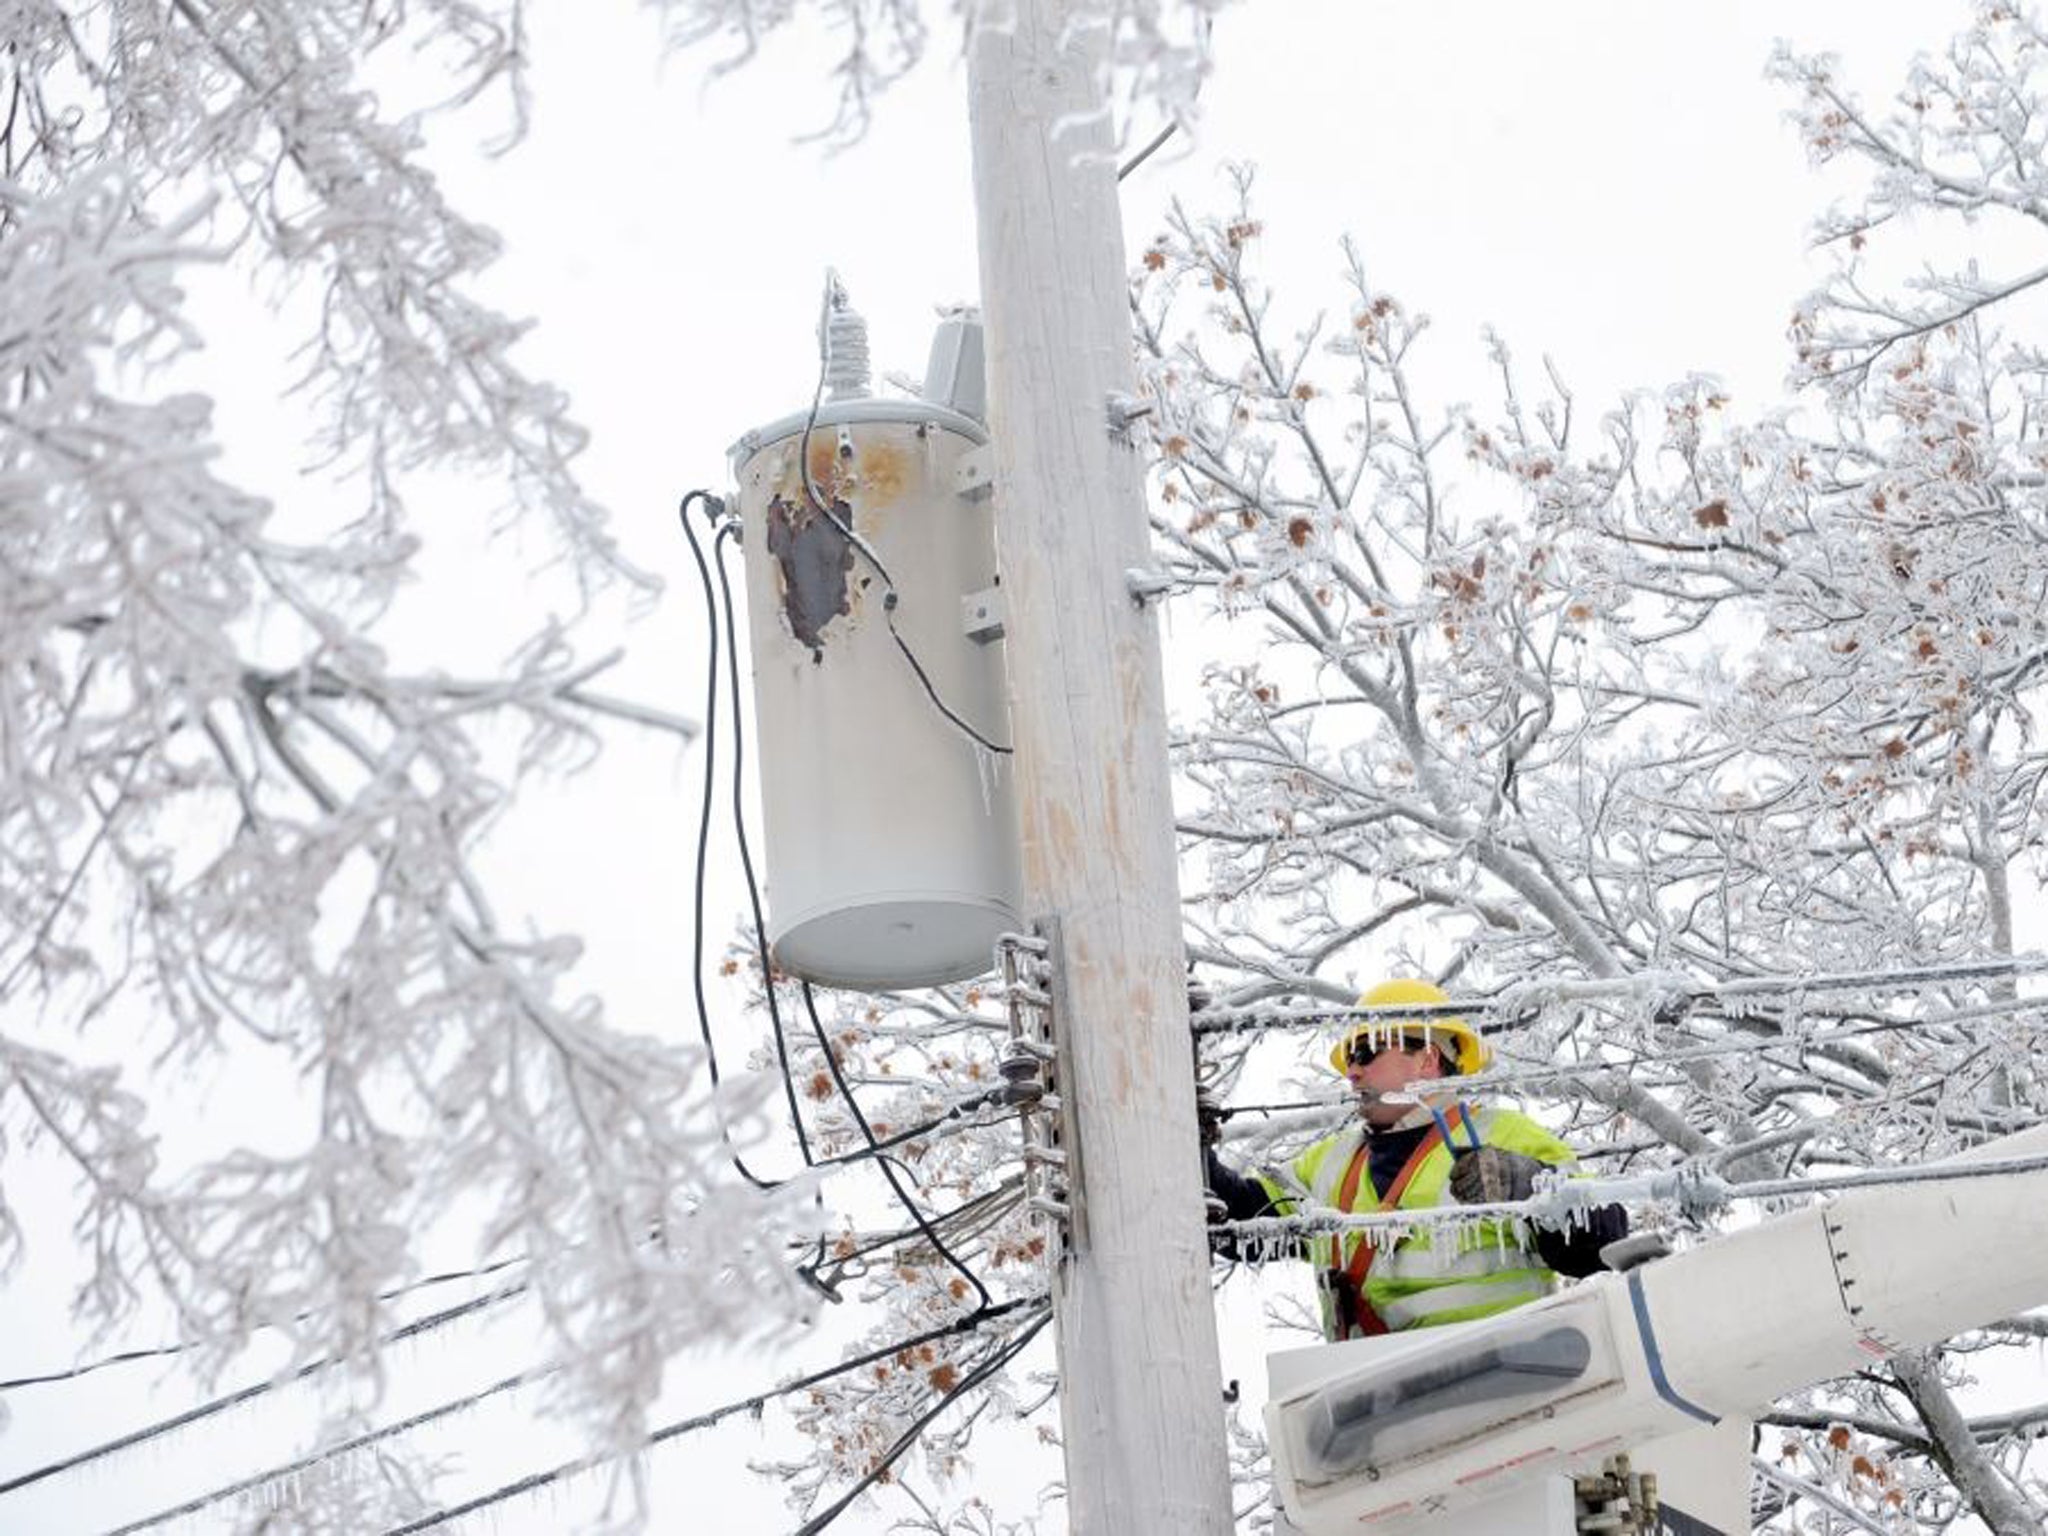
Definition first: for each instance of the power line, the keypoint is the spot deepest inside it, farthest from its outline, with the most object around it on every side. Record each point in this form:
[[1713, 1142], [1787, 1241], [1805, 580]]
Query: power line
[[248, 1394], [992, 1362], [1519, 1005], [334, 1452], [538, 1480], [130, 1356], [1811, 1040], [1689, 1185], [739, 828], [712, 614], [510, 1383], [887, 1165], [1005, 1196], [1158, 141]]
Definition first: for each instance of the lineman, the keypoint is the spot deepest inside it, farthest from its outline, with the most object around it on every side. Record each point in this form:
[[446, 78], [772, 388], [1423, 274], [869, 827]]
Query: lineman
[[1403, 1155]]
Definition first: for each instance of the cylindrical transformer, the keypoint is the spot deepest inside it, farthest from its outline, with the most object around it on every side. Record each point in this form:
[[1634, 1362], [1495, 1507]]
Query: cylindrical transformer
[[891, 832]]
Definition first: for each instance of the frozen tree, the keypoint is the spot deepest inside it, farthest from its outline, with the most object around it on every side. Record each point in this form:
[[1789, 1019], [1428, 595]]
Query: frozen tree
[[241, 821], [238, 833], [1601, 717], [1160, 48], [1664, 700]]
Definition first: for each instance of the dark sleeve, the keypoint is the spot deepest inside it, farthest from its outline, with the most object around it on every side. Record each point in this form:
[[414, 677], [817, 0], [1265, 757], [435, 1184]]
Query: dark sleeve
[[1244, 1199], [1575, 1251]]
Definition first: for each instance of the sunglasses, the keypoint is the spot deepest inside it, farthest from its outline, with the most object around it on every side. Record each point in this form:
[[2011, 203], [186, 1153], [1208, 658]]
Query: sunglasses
[[1363, 1051]]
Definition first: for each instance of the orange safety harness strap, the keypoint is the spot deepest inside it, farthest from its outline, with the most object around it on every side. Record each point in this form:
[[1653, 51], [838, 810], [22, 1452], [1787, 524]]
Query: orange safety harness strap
[[1364, 1318]]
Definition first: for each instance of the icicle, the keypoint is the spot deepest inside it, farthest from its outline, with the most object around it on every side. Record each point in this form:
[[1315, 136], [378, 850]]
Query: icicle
[[987, 767]]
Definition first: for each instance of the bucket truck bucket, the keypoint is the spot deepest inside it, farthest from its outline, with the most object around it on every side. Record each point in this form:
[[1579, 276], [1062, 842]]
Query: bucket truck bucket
[[1391, 1435]]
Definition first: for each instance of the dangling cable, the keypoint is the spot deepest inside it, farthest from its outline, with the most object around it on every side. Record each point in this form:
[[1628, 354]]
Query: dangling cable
[[704, 847], [725, 606], [739, 830], [885, 1163]]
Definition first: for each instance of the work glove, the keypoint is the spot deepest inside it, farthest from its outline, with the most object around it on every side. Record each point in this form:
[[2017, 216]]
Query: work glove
[[1491, 1175]]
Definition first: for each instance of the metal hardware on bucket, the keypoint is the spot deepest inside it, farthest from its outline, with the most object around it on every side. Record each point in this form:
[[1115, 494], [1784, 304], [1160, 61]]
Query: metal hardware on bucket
[[1617, 1501]]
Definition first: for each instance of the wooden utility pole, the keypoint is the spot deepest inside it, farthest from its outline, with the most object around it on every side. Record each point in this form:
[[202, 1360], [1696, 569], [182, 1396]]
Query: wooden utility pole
[[1140, 1380]]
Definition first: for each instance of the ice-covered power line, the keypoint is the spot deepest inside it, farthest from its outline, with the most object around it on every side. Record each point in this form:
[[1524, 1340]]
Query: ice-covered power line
[[471, 1400], [1513, 1073], [1672, 991], [219, 1405], [534, 1482], [335, 1452], [980, 1372], [1690, 1186], [164, 1351]]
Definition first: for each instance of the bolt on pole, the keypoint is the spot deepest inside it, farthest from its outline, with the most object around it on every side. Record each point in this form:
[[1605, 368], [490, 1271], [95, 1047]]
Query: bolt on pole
[[1140, 1402]]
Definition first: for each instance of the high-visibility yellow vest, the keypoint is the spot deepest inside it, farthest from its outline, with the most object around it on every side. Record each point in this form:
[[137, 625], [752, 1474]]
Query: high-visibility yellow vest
[[1429, 1275]]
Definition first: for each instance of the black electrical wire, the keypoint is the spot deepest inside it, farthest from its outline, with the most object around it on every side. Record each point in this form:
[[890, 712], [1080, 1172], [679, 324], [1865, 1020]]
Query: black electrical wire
[[347, 1447], [130, 1356], [761, 938], [994, 1361], [931, 692], [845, 530], [538, 1480], [719, 609], [207, 1410], [886, 1164], [739, 821], [711, 609], [966, 1207], [739, 829], [930, 1127]]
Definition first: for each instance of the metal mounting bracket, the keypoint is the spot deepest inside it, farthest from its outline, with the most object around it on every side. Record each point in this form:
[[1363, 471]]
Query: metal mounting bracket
[[1030, 1068], [982, 614], [974, 473]]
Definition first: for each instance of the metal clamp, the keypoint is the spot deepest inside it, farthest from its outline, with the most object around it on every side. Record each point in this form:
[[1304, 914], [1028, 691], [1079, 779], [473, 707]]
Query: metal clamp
[[1029, 1064], [1617, 1501]]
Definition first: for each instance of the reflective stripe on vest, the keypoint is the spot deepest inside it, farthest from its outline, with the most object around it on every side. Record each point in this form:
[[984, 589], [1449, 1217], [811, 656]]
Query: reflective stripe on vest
[[1415, 1282], [1469, 1300]]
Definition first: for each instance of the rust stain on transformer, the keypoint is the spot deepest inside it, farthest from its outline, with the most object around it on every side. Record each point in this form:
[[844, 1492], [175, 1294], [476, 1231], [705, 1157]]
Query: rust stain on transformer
[[823, 462], [814, 559], [883, 473]]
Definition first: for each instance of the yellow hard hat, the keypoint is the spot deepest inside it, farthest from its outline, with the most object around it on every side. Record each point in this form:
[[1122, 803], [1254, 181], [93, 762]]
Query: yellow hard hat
[[1459, 1039]]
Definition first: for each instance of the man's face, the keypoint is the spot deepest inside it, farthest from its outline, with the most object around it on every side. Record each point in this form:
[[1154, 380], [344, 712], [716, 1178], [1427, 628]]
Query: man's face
[[1375, 1072]]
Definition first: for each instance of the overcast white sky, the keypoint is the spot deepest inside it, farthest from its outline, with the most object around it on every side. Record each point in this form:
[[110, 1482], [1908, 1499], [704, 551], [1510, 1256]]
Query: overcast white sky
[[1609, 182]]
